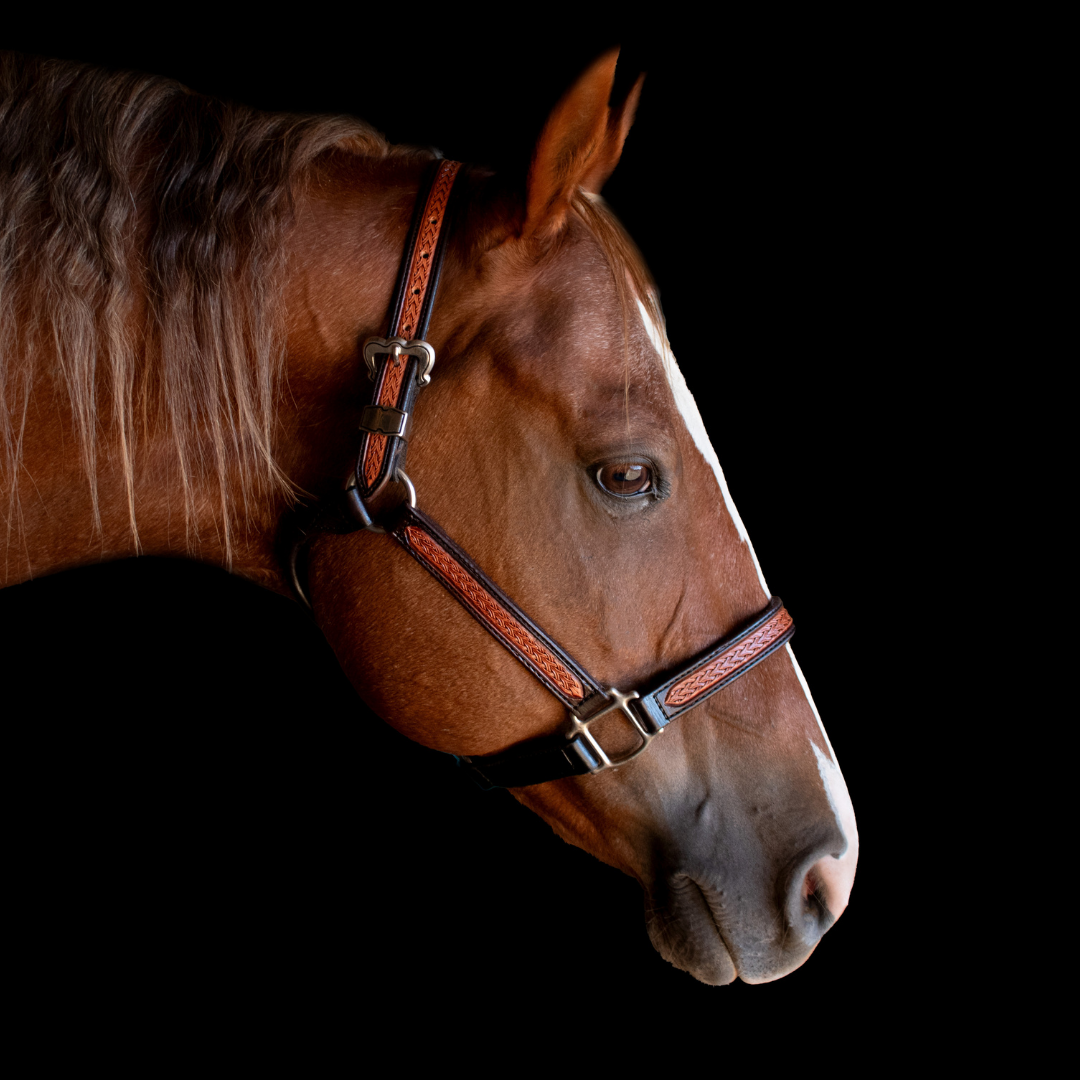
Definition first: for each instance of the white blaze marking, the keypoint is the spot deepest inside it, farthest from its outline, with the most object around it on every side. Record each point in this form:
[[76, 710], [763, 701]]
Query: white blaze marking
[[688, 409], [833, 780], [839, 799], [810, 698]]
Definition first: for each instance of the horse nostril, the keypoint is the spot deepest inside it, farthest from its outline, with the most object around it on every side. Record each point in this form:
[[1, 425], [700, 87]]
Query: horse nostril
[[819, 898], [826, 888], [815, 896]]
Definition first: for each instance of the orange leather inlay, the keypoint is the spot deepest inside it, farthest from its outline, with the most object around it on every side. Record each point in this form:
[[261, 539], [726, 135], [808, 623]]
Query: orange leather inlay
[[375, 450], [426, 240], [728, 662], [492, 612]]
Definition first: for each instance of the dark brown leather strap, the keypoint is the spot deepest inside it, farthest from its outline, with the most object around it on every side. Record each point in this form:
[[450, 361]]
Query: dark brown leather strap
[[494, 610], [574, 754], [400, 373], [735, 655], [419, 275]]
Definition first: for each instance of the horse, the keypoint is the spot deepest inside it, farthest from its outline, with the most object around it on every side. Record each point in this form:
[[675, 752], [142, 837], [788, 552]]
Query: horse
[[186, 290]]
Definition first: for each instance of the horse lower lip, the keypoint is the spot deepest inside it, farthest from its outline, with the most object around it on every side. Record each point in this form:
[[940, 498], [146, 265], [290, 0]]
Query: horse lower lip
[[684, 932], [711, 965]]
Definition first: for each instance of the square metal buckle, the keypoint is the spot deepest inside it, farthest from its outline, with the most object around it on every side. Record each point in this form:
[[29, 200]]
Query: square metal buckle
[[584, 743]]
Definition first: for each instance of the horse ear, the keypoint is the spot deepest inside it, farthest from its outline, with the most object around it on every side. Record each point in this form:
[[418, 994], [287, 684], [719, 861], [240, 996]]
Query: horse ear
[[579, 147]]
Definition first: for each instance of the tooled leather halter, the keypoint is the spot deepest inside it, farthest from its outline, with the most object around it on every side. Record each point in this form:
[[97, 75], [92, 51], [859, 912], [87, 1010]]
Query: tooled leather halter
[[400, 366]]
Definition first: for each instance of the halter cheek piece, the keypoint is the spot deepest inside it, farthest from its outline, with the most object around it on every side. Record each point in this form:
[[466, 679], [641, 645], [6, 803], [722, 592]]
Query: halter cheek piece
[[400, 366]]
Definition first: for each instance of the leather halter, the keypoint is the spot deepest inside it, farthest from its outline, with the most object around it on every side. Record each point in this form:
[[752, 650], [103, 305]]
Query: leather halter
[[400, 366]]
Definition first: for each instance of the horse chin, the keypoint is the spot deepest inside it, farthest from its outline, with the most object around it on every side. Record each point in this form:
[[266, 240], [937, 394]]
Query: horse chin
[[757, 980]]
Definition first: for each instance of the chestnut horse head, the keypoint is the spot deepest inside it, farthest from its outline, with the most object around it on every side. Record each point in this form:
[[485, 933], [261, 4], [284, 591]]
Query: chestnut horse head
[[557, 444]]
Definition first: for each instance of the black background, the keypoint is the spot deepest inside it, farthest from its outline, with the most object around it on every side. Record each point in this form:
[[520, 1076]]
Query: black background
[[208, 819]]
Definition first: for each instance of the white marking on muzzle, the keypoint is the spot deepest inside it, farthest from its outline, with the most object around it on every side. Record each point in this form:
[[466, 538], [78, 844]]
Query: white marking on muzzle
[[838, 873]]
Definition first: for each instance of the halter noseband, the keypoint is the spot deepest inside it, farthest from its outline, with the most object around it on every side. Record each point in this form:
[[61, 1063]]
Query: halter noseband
[[400, 366]]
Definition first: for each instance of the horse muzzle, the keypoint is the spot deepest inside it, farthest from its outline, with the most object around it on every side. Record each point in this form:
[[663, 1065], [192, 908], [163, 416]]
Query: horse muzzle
[[721, 926]]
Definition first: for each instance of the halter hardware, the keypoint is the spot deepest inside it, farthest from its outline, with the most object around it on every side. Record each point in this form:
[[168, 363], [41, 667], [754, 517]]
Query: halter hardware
[[358, 509], [396, 348], [398, 368], [589, 750], [384, 420]]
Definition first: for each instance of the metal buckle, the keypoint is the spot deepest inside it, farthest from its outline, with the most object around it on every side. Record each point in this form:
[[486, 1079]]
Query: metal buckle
[[395, 347], [584, 743]]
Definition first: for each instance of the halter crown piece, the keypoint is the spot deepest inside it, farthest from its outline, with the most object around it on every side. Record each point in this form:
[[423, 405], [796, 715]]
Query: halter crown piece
[[400, 365]]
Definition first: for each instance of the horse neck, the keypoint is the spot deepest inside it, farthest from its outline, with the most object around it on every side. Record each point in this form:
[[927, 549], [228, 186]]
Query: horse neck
[[341, 256]]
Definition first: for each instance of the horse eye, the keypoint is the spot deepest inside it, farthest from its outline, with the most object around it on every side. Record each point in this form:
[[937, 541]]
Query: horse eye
[[625, 479]]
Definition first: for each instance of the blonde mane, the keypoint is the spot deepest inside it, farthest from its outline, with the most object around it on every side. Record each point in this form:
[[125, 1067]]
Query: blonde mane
[[141, 230]]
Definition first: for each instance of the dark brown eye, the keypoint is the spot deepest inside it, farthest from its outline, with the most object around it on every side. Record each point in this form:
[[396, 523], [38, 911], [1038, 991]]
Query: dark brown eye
[[625, 479]]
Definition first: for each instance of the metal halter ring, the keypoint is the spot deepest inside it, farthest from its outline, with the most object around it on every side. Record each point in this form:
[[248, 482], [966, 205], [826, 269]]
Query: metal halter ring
[[301, 539], [402, 477]]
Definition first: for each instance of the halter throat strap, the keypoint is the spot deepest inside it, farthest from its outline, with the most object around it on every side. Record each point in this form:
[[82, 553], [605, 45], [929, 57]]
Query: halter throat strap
[[400, 366]]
